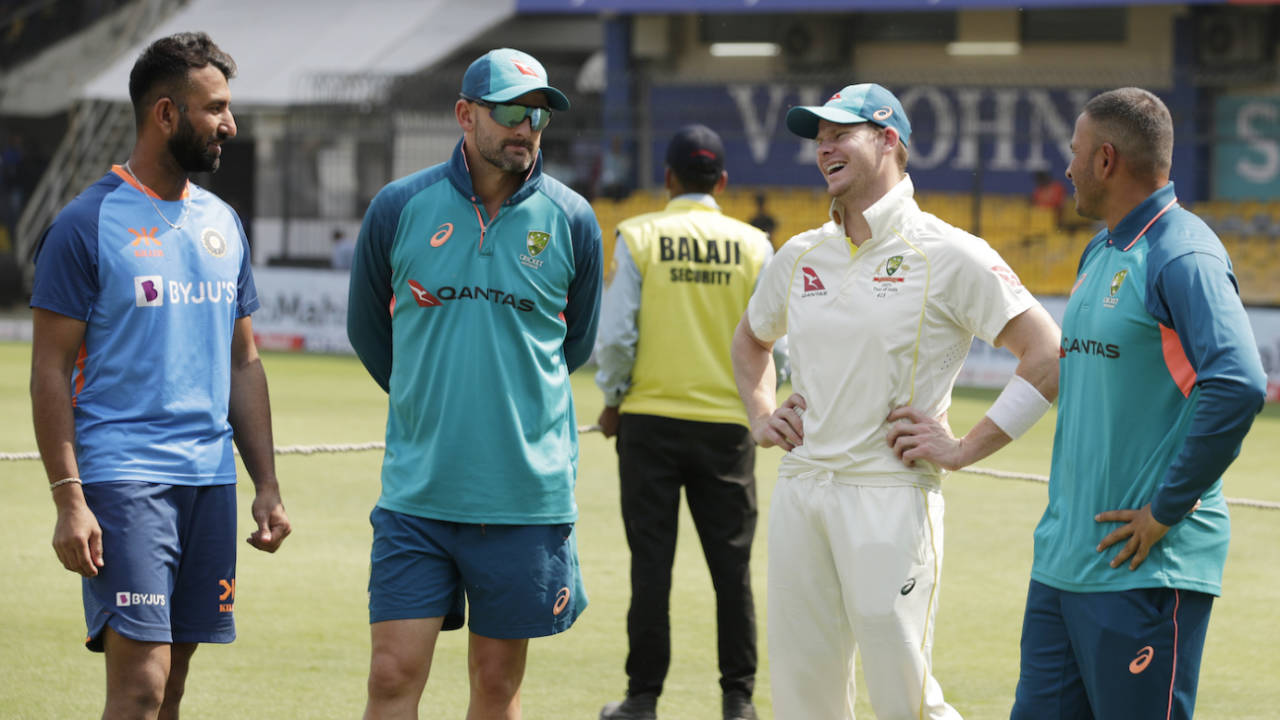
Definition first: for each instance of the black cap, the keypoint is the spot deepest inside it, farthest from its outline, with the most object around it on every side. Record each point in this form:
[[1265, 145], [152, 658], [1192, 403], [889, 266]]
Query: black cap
[[696, 154]]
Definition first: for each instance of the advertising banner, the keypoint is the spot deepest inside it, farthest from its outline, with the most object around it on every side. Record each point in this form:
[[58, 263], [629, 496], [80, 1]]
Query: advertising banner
[[1246, 156], [961, 137]]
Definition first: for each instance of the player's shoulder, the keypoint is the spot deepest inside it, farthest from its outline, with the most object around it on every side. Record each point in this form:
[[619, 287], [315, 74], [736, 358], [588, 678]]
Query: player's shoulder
[[568, 200], [1184, 233], [83, 210], [396, 194]]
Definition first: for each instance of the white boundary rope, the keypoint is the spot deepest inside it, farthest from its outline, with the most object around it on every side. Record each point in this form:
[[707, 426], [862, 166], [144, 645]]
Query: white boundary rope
[[583, 429]]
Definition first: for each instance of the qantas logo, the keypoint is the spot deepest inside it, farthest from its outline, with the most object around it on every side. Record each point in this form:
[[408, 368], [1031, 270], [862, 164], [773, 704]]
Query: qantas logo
[[1089, 347], [526, 69], [423, 296], [445, 293], [812, 283]]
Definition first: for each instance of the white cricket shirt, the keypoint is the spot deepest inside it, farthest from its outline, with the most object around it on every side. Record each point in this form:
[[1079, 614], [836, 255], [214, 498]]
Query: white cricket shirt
[[875, 327]]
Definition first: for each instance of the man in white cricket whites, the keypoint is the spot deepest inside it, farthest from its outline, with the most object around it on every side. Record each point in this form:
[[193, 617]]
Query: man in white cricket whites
[[880, 306]]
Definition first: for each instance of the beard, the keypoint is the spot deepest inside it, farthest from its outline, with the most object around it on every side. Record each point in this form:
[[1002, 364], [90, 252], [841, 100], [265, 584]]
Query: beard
[[191, 153], [1088, 197], [505, 155]]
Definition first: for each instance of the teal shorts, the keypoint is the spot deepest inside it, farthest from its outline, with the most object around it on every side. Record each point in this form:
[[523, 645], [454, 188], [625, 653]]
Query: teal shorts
[[520, 581]]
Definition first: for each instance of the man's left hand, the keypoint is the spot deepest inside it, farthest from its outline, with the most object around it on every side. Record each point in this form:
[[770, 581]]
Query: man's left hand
[[1140, 527], [916, 436], [273, 523], [608, 421]]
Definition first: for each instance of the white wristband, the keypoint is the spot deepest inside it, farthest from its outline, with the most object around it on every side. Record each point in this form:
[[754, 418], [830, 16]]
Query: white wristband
[[1019, 406]]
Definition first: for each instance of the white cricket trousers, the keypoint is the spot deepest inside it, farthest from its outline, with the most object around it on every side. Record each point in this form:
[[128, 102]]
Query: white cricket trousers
[[853, 568]]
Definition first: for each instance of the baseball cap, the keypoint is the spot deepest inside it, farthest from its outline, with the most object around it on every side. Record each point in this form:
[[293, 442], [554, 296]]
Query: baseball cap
[[866, 102], [695, 152], [504, 74]]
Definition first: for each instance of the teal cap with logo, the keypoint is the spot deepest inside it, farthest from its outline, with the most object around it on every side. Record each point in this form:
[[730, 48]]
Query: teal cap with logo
[[504, 74], [866, 102]]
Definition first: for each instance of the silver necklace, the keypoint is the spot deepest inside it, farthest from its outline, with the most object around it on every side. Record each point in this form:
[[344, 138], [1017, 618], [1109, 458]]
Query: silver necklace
[[186, 202]]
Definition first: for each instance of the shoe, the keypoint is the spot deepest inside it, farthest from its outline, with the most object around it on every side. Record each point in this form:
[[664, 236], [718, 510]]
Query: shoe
[[737, 706], [635, 707]]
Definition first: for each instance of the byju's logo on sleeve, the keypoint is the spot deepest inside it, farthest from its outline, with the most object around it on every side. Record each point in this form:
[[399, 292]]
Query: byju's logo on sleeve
[[148, 290]]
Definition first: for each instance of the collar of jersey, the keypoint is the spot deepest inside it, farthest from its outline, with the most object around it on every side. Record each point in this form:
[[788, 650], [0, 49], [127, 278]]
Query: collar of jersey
[[460, 176], [885, 215], [693, 201], [1133, 223]]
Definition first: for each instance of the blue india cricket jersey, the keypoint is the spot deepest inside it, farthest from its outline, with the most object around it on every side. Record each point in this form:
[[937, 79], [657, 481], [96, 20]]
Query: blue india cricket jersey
[[472, 324], [152, 382], [1160, 381]]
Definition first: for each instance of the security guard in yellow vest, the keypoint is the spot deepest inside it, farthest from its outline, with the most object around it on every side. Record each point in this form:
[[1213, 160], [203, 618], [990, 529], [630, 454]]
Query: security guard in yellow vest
[[682, 280]]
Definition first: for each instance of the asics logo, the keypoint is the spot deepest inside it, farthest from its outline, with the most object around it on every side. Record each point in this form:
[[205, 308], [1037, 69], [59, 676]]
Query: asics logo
[[1143, 659], [882, 114], [909, 586], [442, 235], [562, 600]]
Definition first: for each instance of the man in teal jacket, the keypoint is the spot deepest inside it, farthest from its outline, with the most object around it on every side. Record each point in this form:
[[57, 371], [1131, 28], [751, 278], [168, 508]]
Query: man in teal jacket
[[1160, 381], [474, 293]]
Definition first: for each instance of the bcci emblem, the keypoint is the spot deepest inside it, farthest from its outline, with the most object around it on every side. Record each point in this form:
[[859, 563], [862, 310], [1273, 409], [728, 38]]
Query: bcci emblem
[[213, 241], [536, 242], [1116, 281], [892, 266]]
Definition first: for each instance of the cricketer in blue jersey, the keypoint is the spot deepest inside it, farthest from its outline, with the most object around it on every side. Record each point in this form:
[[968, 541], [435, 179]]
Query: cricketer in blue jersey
[[1160, 381], [474, 294], [144, 371]]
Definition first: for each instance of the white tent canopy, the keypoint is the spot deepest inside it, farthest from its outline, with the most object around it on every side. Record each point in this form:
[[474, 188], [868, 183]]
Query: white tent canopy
[[316, 51]]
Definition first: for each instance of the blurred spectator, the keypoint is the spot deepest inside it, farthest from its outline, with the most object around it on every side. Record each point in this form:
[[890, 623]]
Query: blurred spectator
[[615, 171], [762, 219], [1049, 193], [344, 249]]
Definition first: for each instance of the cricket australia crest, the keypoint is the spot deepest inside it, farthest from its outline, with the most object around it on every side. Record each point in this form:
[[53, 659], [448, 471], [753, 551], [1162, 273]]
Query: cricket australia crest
[[535, 243], [1117, 280]]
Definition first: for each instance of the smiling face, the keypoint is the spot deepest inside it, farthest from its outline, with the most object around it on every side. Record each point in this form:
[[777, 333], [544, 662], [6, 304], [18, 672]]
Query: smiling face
[[850, 157], [511, 150], [204, 121], [1081, 172]]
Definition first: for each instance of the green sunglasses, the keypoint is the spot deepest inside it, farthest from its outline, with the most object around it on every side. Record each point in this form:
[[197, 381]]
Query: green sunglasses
[[511, 115]]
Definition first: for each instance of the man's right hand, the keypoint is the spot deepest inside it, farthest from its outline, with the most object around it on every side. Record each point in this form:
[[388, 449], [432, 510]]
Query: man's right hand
[[784, 428], [608, 421], [77, 537]]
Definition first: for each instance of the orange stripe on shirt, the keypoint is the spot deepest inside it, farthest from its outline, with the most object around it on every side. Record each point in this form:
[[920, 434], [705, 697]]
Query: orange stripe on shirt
[[124, 175], [1175, 359], [80, 358]]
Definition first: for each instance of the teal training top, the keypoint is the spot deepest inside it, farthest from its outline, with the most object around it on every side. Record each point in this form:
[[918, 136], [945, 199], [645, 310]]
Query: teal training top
[[1160, 382], [473, 324]]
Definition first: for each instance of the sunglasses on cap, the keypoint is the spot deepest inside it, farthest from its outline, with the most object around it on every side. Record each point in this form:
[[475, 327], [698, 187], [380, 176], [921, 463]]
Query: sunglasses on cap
[[510, 115]]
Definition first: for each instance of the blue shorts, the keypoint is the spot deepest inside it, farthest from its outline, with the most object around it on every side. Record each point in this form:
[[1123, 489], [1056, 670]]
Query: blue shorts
[[1125, 655], [169, 563], [521, 581]]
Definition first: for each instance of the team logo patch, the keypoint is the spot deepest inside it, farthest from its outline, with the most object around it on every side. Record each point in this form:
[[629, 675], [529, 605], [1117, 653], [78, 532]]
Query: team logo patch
[[889, 275], [213, 241], [812, 283], [535, 243], [893, 264], [1117, 280], [145, 243], [148, 290]]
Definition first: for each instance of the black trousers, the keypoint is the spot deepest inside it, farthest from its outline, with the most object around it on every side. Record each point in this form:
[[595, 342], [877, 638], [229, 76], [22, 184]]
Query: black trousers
[[715, 464]]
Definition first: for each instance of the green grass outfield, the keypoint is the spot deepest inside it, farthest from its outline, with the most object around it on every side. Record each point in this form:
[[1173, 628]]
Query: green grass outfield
[[303, 624]]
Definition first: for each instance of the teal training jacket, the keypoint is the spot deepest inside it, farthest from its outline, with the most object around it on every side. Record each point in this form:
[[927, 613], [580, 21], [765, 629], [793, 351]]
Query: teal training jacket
[[473, 324], [1160, 381]]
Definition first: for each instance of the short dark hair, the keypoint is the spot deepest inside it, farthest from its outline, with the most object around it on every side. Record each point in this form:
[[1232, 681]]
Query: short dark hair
[[1139, 125], [162, 68]]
